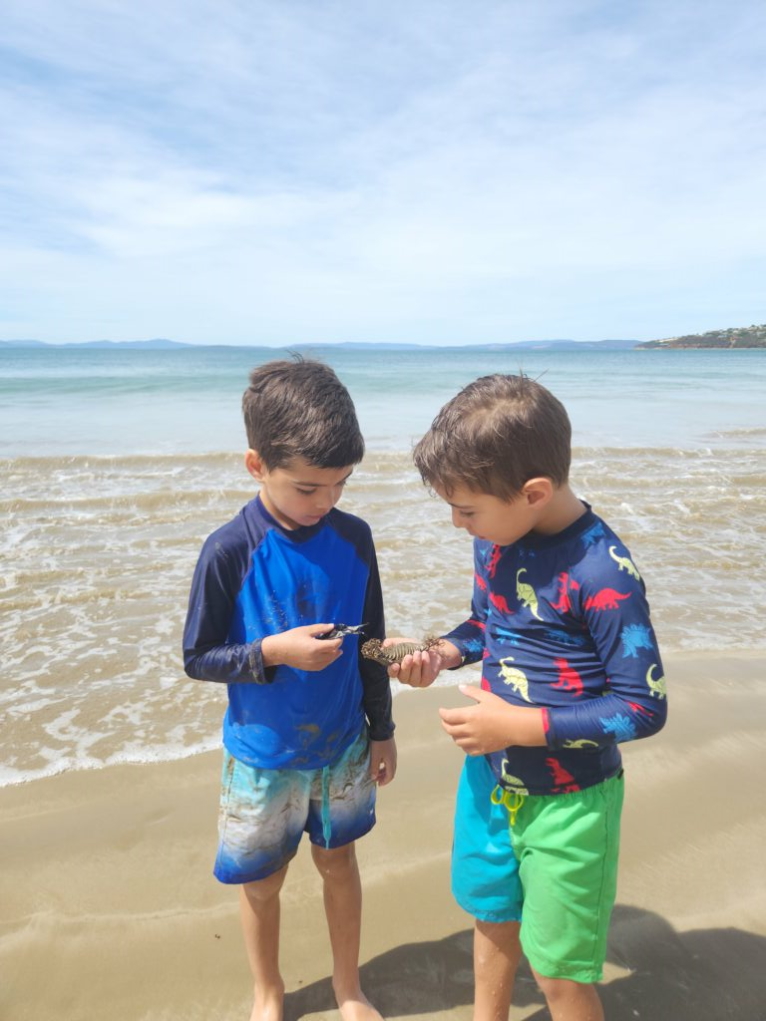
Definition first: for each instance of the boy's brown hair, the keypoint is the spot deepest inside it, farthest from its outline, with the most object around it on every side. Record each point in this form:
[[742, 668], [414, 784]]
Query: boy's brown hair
[[495, 435], [300, 408]]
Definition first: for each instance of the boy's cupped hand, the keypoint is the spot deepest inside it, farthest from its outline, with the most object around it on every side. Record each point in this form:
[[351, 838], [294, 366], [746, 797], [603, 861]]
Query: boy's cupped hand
[[490, 724], [418, 669]]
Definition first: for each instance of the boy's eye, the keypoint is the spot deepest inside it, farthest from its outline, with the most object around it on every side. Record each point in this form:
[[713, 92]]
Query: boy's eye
[[306, 492]]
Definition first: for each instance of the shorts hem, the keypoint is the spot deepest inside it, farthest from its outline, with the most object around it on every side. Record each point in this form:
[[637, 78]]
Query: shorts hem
[[345, 841], [585, 974], [229, 879], [494, 917]]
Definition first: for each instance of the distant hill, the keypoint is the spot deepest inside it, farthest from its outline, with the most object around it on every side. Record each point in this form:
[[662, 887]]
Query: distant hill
[[736, 337], [159, 344]]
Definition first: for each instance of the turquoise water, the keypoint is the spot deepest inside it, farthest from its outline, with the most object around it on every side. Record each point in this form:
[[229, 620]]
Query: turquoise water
[[117, 463], [92, 401]]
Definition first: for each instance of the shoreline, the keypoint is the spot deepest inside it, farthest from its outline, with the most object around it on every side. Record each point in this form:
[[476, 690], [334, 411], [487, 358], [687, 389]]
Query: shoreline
[[110, 906]]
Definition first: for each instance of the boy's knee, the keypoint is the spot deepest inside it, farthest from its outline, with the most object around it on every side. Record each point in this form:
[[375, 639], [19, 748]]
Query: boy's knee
[[334, 861], [262, 890], [557, 990]]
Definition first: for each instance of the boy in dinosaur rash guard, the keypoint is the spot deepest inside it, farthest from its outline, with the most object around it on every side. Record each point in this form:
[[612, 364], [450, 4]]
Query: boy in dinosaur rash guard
[[570, 668], [308, 732]]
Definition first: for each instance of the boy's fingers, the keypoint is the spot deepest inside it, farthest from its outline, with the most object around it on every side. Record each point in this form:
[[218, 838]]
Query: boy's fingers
[[321, 629], [453, 717]]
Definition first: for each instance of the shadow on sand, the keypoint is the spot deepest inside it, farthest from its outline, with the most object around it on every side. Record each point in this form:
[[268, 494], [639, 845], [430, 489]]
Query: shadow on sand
[[703, 975]]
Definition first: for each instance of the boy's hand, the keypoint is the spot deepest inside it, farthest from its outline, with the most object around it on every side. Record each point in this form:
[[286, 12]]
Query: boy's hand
[[383, 761], [421, 669], [299, 648], [492, 724]]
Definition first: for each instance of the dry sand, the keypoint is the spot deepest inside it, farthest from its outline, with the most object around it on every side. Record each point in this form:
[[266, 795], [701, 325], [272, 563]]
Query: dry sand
[[109, 910]]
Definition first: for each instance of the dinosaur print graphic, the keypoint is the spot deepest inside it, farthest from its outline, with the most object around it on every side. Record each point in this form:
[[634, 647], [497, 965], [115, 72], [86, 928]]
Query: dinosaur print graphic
[[640, 710], [510, 780], [558, 636], [516, 678], [569, 679], [635, 637], [624, 563], [562, 779], [493, 560], [620, 725], [606, 599], [480, 581], [525, 594], [657, 687], [594, 533], [564, 604], [499, 603], [508, 636]]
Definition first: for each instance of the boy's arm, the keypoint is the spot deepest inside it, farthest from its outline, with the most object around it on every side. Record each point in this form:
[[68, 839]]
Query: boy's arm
[[634, 704], [376, 688], [209, 656], [464, 644]]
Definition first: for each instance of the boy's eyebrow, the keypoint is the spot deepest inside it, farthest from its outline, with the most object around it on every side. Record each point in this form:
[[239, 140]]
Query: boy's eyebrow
[[320, 485]]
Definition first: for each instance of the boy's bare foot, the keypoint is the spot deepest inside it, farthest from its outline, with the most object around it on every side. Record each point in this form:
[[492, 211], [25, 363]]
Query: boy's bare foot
[[268, 1005], [358, 1008]]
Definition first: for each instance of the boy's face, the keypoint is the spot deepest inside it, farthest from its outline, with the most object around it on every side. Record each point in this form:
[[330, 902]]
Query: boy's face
[[489, 517], [299, 494]]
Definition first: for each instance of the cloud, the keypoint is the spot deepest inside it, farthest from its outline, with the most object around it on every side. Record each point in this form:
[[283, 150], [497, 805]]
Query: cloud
[[256, 172]]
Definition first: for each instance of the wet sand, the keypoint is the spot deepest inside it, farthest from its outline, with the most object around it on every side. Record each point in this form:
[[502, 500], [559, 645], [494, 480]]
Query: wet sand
[[108, 908]]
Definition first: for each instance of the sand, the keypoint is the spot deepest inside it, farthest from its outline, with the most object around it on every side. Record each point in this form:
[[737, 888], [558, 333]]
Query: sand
[[108, 909]]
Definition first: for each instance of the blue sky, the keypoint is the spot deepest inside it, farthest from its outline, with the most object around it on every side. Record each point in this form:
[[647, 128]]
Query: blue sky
[[234, 171]]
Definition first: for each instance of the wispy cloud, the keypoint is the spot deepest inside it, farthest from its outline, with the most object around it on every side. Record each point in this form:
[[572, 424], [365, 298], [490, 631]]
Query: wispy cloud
[[272, 173]]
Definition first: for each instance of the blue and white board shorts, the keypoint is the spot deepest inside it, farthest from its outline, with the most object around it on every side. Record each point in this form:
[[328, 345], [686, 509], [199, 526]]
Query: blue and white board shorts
[[264, 812]]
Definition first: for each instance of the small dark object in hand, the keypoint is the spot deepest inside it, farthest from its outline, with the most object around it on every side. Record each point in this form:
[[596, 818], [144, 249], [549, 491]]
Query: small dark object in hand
[[341, 630]]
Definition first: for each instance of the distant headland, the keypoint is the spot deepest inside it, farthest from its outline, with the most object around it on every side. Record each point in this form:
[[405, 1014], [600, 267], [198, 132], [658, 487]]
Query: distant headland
[[735, 337]]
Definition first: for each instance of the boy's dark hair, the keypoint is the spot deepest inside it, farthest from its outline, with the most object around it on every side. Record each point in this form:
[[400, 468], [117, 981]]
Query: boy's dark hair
[[495, 435], [300, 408]]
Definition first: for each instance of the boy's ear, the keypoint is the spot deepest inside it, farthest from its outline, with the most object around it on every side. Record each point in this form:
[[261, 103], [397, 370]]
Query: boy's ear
[[538, 491], [254, 464]]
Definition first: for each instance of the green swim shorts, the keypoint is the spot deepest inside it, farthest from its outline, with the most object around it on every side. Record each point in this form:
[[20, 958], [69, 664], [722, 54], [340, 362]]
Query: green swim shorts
[[557, 862]]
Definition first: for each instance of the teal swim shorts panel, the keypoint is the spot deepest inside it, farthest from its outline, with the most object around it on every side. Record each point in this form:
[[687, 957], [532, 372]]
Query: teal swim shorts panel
[[485, 873]]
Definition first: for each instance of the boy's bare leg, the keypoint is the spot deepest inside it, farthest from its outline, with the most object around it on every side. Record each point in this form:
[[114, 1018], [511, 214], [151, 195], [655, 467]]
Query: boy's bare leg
[[259, 910], [570, 1001], [343, 907], [496, 954]]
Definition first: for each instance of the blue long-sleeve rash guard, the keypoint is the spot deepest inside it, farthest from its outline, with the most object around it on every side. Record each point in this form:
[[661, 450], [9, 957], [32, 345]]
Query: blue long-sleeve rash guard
[[255, 578], [562, 623]]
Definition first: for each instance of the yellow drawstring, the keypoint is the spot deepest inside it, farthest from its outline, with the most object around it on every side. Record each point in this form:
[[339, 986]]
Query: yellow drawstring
[[511, 799]]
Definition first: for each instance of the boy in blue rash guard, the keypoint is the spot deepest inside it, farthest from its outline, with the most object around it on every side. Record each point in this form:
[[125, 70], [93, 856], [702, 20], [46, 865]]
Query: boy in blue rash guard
[[308, 732], [570, 667]]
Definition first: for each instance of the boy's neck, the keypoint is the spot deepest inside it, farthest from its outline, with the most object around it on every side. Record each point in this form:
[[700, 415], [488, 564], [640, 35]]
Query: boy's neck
[[561, 511]]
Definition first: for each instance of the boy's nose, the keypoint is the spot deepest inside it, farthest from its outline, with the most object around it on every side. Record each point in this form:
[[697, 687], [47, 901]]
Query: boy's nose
[[327, 500]]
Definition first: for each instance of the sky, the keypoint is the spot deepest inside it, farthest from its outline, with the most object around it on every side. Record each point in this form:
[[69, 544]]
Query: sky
[[422, 171]]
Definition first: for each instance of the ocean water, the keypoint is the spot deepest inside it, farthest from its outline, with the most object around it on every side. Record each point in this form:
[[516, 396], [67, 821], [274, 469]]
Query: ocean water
[[117, 463]]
